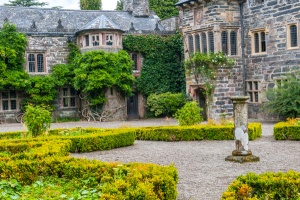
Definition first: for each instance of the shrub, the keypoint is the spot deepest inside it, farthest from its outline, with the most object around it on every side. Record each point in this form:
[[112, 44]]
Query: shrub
[[265, 186], [165, 104], [189, 114], [37, 119], [286, 131]]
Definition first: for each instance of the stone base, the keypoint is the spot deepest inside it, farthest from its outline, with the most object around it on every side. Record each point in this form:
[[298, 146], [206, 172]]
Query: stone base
[[242, 158], [241, 153]]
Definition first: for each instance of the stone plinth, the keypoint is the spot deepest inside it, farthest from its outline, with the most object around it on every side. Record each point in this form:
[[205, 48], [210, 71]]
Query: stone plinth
[[240, 113]]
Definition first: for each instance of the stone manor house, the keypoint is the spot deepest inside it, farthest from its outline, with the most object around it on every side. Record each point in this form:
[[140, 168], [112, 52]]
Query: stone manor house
[[260, 35], [48, 32]]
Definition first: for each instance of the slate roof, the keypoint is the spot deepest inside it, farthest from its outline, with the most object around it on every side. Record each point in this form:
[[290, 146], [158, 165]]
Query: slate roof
[[182, 2], [46, 20]]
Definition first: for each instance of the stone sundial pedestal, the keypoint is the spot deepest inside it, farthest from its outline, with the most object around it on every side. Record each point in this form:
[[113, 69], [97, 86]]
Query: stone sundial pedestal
[[242, 153]]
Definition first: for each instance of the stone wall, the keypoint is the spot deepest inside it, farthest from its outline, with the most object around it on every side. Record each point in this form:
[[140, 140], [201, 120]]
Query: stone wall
[[170, 24], [273, 16]]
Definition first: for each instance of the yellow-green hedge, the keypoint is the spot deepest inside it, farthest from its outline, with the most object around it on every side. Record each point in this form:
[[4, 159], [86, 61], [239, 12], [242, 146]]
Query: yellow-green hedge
[[199, 132], [286, 131], [265, 186]]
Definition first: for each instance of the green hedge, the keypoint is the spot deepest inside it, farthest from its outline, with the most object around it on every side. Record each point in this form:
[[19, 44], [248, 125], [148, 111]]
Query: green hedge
[[265, 186], [198, 132], [286, 131]]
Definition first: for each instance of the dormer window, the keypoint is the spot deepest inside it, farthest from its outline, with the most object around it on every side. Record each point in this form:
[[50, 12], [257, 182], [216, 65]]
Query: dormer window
[[109, 39], [95, 40]]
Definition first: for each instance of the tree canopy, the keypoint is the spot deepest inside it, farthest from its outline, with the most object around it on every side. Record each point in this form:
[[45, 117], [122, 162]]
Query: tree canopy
[[164, 8], [25, 3], [90, 4], [119, 5]]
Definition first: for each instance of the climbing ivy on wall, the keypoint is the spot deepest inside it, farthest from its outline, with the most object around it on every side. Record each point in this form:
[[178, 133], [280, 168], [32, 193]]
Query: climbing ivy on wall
[[162, 68], [164, 8]]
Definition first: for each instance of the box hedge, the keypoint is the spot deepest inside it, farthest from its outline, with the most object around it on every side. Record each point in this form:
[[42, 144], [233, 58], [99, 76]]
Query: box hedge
[[286, 131], [265, 186]]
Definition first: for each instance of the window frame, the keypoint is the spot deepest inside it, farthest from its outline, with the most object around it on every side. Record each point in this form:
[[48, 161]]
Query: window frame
[[191, 46], [252, 91], [9, 101], [69, 96], [289, 37], [260, 46], [36, 64], [137, 63]]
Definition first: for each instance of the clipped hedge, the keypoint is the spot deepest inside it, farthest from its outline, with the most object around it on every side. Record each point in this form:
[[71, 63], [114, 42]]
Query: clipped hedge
[[265, 186], [198, 132], [286, 131], [26, 160]]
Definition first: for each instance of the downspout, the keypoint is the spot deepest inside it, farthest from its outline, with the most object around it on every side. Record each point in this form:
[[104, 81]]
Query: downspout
[[241, 2]]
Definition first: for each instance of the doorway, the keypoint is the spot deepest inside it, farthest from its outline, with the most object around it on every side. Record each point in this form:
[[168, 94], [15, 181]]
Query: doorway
[[133, 106], [201, 99]]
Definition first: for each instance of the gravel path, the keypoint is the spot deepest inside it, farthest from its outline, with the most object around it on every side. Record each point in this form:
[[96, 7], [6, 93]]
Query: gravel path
[[203, 171]]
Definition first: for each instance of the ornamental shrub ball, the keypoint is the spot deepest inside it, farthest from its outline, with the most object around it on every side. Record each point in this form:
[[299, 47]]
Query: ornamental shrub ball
[[189, 114]]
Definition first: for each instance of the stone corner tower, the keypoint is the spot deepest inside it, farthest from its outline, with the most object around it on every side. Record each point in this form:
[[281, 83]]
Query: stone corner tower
[[138, 8]]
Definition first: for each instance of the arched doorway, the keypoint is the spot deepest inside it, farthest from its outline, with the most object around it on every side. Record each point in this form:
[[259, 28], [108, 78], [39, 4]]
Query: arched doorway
[[201, 99]]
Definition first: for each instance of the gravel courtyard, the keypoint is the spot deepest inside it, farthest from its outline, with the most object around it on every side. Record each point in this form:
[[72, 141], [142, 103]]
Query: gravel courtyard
[[203, 171]]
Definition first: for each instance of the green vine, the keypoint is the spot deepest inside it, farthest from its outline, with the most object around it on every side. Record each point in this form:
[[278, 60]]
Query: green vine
[[205, 67], [163, 70]]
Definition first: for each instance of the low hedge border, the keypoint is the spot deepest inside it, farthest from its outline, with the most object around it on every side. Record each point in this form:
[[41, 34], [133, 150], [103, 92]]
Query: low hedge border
[[265, 186], [286, 131], [199, 132]]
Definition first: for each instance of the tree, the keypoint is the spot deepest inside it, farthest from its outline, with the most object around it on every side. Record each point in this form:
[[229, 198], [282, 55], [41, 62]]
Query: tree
[[25, 3], [90, 4], [119, 5], [164, 8], [284, 99], [205, 67], [12, 50]]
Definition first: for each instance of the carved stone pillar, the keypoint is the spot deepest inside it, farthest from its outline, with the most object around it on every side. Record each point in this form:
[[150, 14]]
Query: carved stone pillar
[[240, 113]]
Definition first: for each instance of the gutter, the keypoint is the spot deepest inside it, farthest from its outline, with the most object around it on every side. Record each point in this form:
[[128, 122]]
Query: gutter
[[241, 2]]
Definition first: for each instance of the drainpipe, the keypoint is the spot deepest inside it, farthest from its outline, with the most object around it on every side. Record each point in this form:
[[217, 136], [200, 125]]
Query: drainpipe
[[241, 2]]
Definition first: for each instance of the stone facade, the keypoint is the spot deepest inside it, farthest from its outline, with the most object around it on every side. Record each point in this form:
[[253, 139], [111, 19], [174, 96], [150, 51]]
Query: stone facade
[[264, 52], [48, 32]]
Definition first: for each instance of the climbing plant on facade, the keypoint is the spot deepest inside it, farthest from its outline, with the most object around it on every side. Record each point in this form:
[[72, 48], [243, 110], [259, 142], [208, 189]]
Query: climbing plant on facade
[[204, 68], [164, 8], [162, 68], [90, 4]]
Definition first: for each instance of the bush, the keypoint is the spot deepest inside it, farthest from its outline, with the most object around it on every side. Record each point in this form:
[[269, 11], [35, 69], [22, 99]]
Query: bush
[[37, 119], [265, 186], [286, 131], [189, 114], [165, 104]]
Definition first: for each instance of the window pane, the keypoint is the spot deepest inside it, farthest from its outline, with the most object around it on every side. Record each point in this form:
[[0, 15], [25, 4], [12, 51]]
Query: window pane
[[13, 104], [65, 102], [87, 40], [263, 41], [4, 95], [135, 63], [191, 44], [204, 43], [72, 102], [224, 43], [249, 85], [197, 42], [5, 105], [233, 43], [255, 85], [40, 62], [256, 42], [31, 63], [293, 32], [256, 96], [251, 97], [72, 92], [211, 42], [13, 94], [65, 92]]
